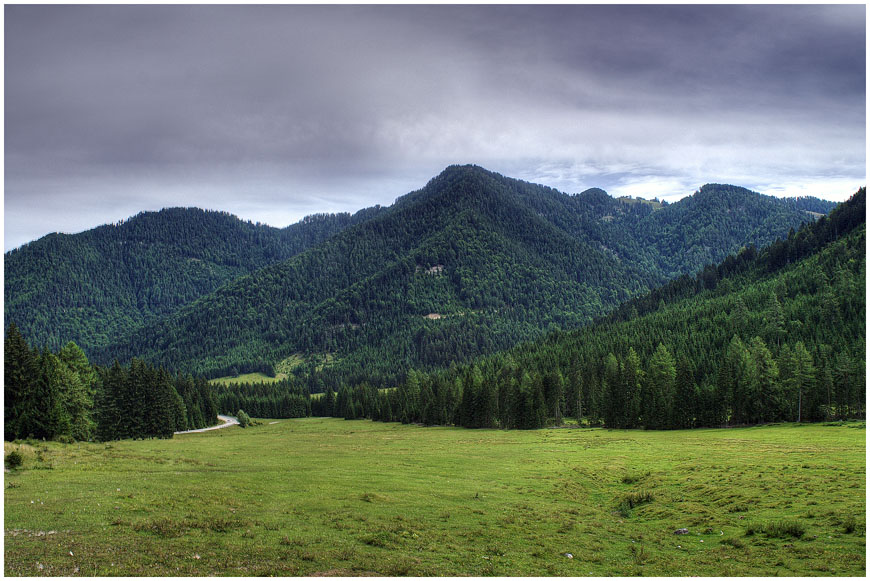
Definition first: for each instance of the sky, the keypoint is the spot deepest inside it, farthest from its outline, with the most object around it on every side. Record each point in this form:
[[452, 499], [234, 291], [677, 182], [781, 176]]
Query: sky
[[279, 111]]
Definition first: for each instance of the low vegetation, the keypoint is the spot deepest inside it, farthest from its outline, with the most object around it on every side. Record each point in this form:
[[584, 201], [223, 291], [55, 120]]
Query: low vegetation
[[334, 497]]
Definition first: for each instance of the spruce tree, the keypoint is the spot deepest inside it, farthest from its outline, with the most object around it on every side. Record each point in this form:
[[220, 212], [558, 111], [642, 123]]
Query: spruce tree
[[766, 387], [660, 389], [685, 406], [614, 399], [20, 374], [802, 378], [632, 379]]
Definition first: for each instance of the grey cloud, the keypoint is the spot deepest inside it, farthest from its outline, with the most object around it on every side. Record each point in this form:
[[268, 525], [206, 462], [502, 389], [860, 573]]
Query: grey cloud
[[258, 107]]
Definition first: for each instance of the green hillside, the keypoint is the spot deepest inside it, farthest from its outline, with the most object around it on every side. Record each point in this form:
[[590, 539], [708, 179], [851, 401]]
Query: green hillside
[[98, 286], [765, 336], [471, 264]]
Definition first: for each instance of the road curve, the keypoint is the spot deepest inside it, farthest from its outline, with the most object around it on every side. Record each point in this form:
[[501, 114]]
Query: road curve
[[227, 421]]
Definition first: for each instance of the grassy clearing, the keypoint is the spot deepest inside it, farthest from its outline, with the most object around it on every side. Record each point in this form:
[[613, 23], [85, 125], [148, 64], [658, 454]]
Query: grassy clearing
[[327, 496], [256, 377], [286, 366]]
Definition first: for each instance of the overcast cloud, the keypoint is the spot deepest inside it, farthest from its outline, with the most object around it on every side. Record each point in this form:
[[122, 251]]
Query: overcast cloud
[[275, 112]]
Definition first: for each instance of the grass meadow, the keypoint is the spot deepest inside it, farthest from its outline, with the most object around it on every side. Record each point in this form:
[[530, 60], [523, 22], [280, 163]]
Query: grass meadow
[[255, 377], [332, 497]]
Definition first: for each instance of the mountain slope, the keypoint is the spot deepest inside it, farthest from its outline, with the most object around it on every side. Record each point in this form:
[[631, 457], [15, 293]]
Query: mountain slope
[[98, 286], [472, 263], [716, 221], [773, 335]]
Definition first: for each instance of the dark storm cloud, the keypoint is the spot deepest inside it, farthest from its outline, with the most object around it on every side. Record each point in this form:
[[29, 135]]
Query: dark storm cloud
[[273, 112]]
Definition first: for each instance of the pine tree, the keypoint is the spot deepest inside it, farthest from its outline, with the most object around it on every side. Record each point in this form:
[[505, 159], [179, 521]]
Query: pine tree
[[659, 389], [574, 392], [685, 407], [20, 374], [467, 410], [632, 378], [802, 380], [109, 404], [554, 391], [614, 397], [766, 386], [329, 402], [506, 379], [774, 320], [77, 391]]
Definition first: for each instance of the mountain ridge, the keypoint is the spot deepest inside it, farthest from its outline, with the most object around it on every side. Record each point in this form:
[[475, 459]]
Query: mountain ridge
[[517, 258], [65, 287]]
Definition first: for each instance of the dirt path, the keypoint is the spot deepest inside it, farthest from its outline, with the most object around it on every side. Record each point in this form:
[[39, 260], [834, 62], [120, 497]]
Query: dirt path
[[227, 421]]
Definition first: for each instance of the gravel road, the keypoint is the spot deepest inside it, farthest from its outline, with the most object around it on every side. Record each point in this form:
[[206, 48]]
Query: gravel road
[[227, 421]]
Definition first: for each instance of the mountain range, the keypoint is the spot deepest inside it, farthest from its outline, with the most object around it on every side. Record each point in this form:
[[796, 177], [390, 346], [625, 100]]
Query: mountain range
[[472, 263]]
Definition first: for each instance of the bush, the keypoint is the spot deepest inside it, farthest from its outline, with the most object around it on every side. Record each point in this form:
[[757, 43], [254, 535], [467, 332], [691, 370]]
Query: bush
[[14, 459], [65, 439], [244, 419]]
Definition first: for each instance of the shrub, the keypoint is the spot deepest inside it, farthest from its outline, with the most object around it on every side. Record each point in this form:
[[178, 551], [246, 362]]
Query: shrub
[[65, 439], [14, 459], [244, 419]]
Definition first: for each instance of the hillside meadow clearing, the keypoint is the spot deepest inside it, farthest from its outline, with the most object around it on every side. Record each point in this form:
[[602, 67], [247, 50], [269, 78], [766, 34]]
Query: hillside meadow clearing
[[332, 497]]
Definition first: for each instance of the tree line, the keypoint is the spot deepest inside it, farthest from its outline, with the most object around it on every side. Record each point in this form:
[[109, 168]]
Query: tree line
[[62, 396]]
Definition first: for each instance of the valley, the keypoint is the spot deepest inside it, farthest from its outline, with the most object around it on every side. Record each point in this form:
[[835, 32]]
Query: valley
[[435, 290], [366, 358]]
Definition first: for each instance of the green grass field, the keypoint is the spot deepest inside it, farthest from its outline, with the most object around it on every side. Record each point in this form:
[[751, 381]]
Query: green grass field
[[255, 377], [334, 497]]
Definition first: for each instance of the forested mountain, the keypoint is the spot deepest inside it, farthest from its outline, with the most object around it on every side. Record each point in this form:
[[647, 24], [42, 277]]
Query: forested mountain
[[98, 286], [472, 263], [771, 335]]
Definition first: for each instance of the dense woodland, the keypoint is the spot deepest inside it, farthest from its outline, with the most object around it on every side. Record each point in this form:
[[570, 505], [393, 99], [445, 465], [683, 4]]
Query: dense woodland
[[62, 396], [439, 295], [472, 264], [765, 336], [98, 286]]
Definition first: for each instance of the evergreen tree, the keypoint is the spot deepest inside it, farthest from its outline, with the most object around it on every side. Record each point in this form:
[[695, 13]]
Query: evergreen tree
[[329, 402], [632, 378], [765, 378], [614, 396], [77, 391], [659, 389], [686, 398], [109, 408], [574, 392], [554, 391], [20, 374], [801, 380], [774, 320]]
